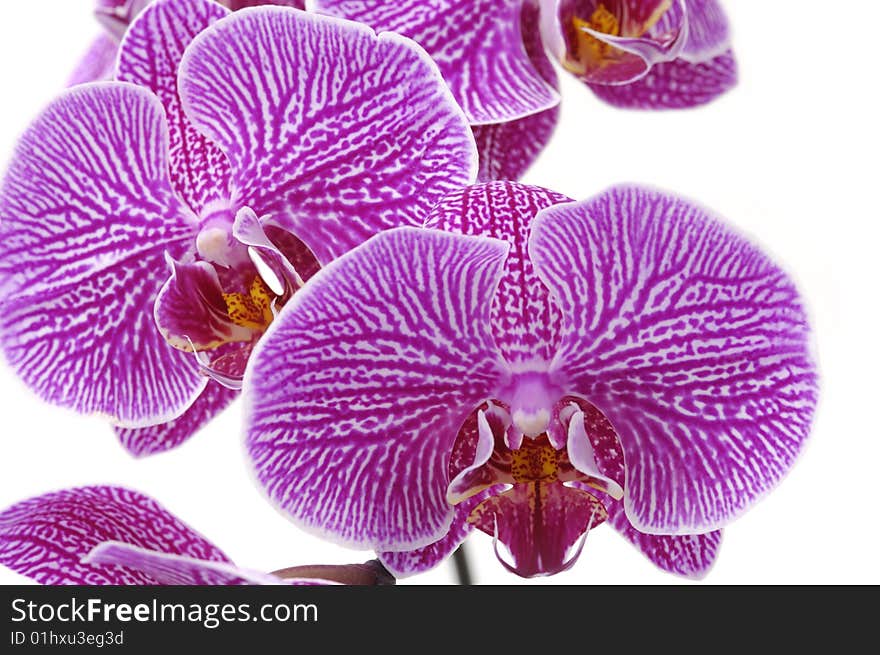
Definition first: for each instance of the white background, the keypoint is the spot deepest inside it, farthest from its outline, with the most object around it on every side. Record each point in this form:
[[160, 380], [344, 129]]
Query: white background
[[790, 157]]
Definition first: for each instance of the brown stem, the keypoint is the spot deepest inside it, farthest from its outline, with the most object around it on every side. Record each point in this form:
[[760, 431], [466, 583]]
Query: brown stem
[[368, 573]]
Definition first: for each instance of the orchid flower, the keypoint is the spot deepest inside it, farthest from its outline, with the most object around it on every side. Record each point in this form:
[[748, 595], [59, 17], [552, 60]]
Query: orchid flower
[[114, 536], [115, 16], [649, 54], [244, 149], [532, 368]]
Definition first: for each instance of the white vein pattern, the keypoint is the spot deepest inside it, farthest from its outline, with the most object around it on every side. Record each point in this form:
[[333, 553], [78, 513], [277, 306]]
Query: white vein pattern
[[86, 215], [46, 538], [476, 43], [334, 147], [525, 319], [690, 341], [689, 555], [173, 569], [150, 54], [355, 395], [508, 149]]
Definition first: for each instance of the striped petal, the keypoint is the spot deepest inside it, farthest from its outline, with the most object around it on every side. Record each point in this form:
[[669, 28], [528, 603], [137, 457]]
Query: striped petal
[[476, 43], [676, 84], [150, 55], [690, 555], [342, 135], [508, 149], [525, 321], [356, 393], [87, 214], [410, 562], [690, 341], [170, 569], [155, 439], [47, 537]]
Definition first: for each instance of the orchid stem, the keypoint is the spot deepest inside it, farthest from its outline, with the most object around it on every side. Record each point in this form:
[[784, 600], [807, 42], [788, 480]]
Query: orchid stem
[[462, 567]]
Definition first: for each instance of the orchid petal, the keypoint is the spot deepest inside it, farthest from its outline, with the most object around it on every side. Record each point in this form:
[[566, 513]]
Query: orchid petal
[[690, 556], [674, 85], [525, 320], [87, 214], [508, 149], [356, 392], [155, 439], [342, 135], [692, 343], [170, 569], [47, 537], [476, 43], [97, 63], [410, 562], [150, 55]]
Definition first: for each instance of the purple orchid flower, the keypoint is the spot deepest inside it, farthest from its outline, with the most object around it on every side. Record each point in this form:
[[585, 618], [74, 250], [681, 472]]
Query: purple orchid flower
[[246, 149], [114, 536], [649, 54], [553, 365], [115, 16]]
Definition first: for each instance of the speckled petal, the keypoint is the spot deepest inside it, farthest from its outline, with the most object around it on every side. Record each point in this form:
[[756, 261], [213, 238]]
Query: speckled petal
[[690, 556], [87, 214], [476, 43], [690, 341], [47, 537], [342, 135], [155, 439], [355, 395], [150, 55], [508, 149]]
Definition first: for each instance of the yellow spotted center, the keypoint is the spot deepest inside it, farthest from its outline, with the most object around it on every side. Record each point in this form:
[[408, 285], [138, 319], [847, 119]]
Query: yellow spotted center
[[536, 460], [253, 309]]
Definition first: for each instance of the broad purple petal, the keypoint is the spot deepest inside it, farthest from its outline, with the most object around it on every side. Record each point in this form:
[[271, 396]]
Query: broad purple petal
[[508, 149], [87, 214], [690, 556], [172, 569], [476, 43], [692, 343], [97, 63], [150, 55], [342, 135], [155, 439], [47, 537], [525, 321], [676, 84], [356, 393]]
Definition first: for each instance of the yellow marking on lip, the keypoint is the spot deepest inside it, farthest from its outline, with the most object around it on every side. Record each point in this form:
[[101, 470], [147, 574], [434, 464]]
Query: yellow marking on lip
[[251, 310], [536, 460]]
